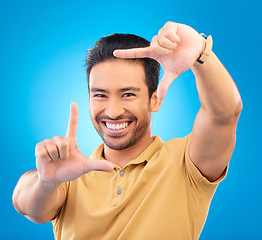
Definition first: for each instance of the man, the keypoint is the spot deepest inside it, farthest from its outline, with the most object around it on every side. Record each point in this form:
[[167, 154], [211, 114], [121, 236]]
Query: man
[[145, 189]]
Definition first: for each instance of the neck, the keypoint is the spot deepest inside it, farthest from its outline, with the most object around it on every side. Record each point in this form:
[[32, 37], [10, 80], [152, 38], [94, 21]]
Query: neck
[[123, 157]]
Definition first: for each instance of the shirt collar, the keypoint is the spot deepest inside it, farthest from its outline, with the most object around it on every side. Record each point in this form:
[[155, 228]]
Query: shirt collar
[[146, 155]]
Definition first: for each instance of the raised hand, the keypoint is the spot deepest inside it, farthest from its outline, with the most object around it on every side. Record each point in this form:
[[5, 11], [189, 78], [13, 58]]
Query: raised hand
[[176, 48], [59, 159]]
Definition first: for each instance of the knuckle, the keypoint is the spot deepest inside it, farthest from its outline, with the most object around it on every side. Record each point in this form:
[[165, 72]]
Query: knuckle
[[160, 42], [39, 150], [41, 153], [160, 31], [168, 33], [38, 145], [60, 141], [57, 138], [64, 146], [52, 151], [46, 159], [51, 147], [169, 24], [159, 49], [47, 141], [154, 38]]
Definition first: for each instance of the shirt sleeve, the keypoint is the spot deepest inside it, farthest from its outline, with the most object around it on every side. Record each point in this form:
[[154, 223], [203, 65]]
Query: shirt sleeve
[[202, 184], [65, 186]]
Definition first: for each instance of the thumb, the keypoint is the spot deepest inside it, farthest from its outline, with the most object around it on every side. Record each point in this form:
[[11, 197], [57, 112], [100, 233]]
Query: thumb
[[164, 84], [92, 164]]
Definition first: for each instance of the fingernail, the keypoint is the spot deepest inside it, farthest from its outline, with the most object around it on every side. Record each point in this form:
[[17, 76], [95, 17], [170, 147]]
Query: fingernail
[[114, 53]]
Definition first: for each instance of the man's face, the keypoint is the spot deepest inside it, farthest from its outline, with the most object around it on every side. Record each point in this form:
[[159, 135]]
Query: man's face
[[119, 105]]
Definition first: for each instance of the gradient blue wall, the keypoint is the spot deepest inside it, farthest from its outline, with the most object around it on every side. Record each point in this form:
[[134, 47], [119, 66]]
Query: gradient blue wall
[[42, 49]]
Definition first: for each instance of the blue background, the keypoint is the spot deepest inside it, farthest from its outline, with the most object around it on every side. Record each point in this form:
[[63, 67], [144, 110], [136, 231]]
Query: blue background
[[42, 50]]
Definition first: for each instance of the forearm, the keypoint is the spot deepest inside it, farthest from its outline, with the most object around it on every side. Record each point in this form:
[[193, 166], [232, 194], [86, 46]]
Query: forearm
[[217, 91], [36, 200]]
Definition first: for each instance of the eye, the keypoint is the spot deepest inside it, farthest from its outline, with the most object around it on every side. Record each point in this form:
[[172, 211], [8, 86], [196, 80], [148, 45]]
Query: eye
[[99, 95], [129, 95]]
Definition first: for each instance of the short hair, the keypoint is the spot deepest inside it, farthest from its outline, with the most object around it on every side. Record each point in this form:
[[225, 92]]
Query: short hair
[[103, 51]]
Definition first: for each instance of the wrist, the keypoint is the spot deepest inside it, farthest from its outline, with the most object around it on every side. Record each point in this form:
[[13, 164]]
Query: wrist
[[46, 185], [206, 67], [206, 49]]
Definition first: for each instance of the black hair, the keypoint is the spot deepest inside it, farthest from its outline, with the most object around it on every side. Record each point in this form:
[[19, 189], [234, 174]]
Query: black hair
[[103, 51]]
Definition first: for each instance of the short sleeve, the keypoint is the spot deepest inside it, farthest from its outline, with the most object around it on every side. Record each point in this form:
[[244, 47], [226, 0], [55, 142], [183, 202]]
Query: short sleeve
[[194, 174], [65, 186]]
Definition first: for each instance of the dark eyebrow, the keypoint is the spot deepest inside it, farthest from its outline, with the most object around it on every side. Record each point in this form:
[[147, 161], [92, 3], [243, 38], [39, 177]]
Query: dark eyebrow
[[130, 89], [136, 89], [98, 90]]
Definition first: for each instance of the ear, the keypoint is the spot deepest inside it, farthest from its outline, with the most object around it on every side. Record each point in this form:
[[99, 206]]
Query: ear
[[155, 102]]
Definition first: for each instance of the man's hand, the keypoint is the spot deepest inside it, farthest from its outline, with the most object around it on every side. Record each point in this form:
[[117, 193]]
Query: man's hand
[[59, 159], [176, 48]]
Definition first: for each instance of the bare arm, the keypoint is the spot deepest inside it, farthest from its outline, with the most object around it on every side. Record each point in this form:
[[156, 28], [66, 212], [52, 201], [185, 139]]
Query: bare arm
[[38, 201], [176, 48], [39, 194], [214, 130]]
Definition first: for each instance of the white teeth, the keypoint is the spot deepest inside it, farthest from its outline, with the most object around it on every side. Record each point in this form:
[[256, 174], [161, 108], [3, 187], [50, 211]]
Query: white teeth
[[116, 126]]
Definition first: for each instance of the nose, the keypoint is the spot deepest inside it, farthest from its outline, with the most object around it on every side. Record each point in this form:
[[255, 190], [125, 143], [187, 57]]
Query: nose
[[114, 108]]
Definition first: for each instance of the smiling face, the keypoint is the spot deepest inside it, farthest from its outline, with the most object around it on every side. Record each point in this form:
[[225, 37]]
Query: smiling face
[[119, 105]]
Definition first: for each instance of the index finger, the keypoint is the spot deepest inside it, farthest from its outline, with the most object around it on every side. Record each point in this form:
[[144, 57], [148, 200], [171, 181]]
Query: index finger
[[73, 121], [132, 53]]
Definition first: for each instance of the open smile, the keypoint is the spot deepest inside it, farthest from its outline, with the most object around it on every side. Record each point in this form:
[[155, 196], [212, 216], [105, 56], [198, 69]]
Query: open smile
[[116, 128]]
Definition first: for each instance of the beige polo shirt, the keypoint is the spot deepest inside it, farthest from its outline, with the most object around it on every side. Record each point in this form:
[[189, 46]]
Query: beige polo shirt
[[159, 195]]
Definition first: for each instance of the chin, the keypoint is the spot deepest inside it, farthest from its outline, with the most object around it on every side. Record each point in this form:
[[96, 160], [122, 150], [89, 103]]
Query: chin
[[118, 146]]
